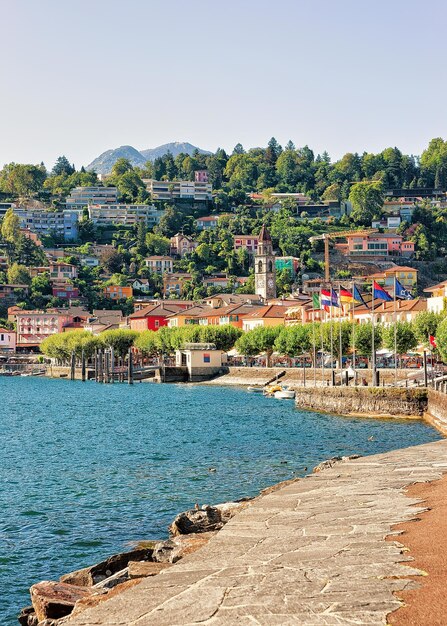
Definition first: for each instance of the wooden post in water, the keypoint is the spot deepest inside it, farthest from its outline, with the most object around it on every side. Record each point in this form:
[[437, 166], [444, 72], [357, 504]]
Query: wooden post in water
[[100, 366], [96, 365], [130, 368], [106, 366], [72, 366], [83, 366], [112, 362]]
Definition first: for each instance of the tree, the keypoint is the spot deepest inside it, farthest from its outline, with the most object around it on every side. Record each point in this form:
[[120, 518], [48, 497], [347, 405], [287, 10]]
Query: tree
[[119, 339], [28, 253], [22, 179], [157, 244], [62, 166], [425, 324], [170, 222], [18, 275], [401, 333], [294, 340], [141, 238], [363, 338], [261, 339], [112, 261], [367, 201], [86, 230], [121, 166], [11, 227]]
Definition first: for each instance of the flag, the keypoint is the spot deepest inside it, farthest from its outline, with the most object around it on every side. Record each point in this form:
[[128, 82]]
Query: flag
[[432, 341], [334, 298], [358, 296], [345, 295], [380, 293], [315, 301], [325, 298], [401, 292]]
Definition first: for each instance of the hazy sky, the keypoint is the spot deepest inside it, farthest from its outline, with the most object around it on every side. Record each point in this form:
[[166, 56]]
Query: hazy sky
[[79, 77]]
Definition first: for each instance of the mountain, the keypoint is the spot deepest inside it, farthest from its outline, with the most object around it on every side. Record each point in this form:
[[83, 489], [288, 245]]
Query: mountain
[[104, 163], [174, 148]]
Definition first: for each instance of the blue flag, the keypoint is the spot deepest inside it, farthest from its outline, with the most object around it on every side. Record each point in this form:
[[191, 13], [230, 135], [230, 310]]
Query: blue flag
[[358, 296], [380, 293], [401, 292], [334, 298]]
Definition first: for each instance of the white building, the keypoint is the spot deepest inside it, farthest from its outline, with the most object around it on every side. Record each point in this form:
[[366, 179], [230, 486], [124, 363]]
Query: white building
[[178, 189], [53, 223], [126, 214], [81, 197]]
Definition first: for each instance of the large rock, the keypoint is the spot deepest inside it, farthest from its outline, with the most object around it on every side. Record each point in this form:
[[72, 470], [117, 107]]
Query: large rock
[[330, 462], [115, 579], [97, 598], [89, 576], [52, 600], [206, 519], [174, 549]]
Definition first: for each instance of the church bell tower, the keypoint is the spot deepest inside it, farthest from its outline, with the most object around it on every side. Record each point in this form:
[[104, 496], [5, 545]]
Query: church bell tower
[[265, 271]]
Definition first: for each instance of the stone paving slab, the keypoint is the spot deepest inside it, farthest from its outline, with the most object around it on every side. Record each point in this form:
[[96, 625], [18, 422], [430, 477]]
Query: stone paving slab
[[312, 553]]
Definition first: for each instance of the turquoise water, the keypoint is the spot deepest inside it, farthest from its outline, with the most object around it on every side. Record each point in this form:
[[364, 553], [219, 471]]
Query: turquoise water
[[86, 468]]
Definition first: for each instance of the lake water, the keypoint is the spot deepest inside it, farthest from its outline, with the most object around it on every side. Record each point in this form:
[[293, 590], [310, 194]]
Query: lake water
[[87, 468]]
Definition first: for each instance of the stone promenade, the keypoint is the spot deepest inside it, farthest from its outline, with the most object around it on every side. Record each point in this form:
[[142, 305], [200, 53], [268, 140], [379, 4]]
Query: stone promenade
[[311, 553]]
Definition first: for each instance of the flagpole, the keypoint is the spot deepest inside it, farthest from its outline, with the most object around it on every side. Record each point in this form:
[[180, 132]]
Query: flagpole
[[322, 343], [353, 333], [332, 335], [395, 332], [373, 349], [315, 348], [340, 310]]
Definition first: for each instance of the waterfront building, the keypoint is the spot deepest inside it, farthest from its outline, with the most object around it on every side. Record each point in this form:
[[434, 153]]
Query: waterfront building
[[173, 284], [188, 316], [232, 314], [179, 190], [182, 244], [265, 270], [35, 326], [202, 360], [81, 197], [436, 303], [247, 242], [117, 292], [154, 316], [124, 214], [62, 224], [207, 223], [7, 340], [269, 315], [159, 264]]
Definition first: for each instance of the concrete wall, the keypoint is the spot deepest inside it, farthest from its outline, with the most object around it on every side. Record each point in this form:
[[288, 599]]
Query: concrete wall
[[436, 413], [367, 401]]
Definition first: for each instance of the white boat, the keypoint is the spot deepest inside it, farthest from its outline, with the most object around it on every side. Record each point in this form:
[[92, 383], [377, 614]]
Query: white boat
[[285, 394], [254, 389]]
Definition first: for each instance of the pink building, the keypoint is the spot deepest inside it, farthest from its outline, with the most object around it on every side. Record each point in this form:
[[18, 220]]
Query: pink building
[[63, 271], [377, 244], [7, 340], [35, 326], [249, 242], [182, 244], [201, 176]]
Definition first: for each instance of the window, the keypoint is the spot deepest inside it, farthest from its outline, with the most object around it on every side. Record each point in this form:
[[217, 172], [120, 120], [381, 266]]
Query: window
[[157, 323], [260, 266]]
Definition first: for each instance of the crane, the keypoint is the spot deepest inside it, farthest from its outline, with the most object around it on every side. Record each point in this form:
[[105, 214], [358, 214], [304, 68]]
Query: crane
[[344, 233]]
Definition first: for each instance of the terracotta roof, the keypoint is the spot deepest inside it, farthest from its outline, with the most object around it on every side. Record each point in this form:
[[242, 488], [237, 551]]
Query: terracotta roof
[[399, 268], [5, 330], [158, 258], [435, 287], [237, 309], [193, 311], [208, 218], [269, 311], [157, 310]]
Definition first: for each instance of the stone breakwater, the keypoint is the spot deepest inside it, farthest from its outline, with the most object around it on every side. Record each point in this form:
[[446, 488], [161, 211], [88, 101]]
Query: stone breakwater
[[76, 591]]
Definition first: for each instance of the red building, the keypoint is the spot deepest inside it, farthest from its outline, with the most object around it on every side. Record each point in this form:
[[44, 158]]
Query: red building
[[154, 316]]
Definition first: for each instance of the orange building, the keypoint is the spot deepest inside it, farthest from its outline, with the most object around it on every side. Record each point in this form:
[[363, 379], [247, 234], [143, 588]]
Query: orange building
[[116, 292]]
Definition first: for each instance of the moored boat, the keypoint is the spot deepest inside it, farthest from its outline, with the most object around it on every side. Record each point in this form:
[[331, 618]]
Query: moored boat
[[285, 394], [254, 389]]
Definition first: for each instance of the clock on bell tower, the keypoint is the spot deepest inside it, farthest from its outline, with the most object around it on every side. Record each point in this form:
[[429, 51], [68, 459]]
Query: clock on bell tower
[[265, 271]]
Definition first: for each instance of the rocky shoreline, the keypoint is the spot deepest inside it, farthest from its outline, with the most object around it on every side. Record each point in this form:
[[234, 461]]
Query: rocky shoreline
[[54, 602]]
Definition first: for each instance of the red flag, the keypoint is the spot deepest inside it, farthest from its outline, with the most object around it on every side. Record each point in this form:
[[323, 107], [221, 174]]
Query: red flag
[[432, 341]]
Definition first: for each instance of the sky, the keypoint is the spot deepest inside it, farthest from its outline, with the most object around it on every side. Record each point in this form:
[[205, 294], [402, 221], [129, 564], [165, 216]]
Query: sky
[[80, 77]]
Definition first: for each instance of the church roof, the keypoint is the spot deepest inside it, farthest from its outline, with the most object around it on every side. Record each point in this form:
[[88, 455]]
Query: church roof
[[264, 235]]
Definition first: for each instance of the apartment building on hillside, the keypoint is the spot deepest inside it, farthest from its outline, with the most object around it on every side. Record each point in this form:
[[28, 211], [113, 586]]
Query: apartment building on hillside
[[81, 197], [124, 214], [179, 189], [62, 224]]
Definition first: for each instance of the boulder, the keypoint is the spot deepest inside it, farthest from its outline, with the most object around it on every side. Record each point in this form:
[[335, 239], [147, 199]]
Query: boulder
[[89, 576], [112, 581], [228, 510], [174, 549], [335, 459], [52, 599], [196, 521], [142, 569]]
